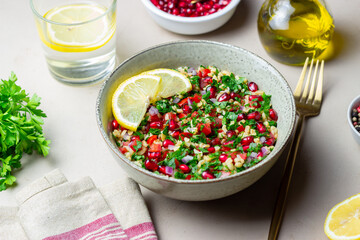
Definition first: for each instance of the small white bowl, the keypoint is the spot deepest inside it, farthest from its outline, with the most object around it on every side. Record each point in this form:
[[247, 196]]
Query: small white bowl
[[355, 103], [191, 25]]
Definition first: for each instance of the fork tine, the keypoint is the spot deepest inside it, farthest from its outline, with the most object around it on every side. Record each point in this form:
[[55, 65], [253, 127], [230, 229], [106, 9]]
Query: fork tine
[[318, 95], [297, 92], [307, 83], [312, 89]]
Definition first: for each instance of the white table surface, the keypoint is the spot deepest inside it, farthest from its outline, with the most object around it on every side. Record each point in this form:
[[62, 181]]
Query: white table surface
[[328, 165]]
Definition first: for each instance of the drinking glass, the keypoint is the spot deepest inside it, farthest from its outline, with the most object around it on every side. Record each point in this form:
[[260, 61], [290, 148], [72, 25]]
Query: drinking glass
[[78, 37]]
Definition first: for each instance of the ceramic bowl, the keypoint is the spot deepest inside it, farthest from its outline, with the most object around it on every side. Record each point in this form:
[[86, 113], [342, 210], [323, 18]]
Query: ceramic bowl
[[191, 25], [195, 53], [354, 104]]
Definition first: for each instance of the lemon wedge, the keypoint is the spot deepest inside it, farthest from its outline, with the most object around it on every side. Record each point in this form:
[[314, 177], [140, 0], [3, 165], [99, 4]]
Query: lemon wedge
[[91, 34], [343, 220], [132, 98], [172, 82]]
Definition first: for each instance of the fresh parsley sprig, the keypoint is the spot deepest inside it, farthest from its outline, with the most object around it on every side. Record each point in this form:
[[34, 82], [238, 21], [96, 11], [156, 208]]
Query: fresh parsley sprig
[[20, 128]]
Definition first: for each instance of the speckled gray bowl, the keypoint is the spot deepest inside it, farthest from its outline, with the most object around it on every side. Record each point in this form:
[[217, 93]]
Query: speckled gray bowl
[[195, 53]]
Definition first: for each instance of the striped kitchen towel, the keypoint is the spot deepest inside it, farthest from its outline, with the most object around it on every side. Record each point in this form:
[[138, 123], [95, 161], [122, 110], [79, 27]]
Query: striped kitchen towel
[[52, 208]]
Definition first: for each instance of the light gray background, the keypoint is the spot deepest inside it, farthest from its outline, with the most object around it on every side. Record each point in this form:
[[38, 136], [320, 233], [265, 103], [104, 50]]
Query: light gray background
[[328, 164]]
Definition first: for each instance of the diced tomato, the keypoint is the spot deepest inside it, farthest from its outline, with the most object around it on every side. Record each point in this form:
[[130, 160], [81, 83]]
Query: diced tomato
[[154, 118], [182, 115], [206, 72], [243, 155], [205, 128], [185, 135], [188, 177], [194, 114], [197, 98], [155, 147], [151, 139], [225, 149], [240, 128], [123, 150], [169, 116], [233, 155], [184, 101], [130, 144]]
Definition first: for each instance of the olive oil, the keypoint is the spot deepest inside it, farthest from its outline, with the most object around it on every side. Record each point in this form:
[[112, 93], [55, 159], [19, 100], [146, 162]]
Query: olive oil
[[291, 30]]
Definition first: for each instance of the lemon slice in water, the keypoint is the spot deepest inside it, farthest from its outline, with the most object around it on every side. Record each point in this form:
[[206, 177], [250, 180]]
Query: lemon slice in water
[[132, 98], [84, 29]]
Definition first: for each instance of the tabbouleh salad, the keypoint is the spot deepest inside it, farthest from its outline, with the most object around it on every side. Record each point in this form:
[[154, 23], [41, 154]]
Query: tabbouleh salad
[[224, 125]]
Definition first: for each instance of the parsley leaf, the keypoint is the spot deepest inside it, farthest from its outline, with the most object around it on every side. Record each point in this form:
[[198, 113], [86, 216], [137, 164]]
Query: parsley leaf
[[20, 128]]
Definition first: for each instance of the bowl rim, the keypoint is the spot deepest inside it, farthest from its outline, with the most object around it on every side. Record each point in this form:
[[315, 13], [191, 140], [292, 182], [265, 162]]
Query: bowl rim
[[355, 101], [149, 5], [203, 181]]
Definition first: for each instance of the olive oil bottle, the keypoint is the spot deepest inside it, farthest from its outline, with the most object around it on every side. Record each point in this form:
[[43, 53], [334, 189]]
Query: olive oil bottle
[[291, 30]]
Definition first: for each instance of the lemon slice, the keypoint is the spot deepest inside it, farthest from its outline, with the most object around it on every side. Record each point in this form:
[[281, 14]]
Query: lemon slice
[[343, 220], [132, 98], [91, 34], [172, 82]]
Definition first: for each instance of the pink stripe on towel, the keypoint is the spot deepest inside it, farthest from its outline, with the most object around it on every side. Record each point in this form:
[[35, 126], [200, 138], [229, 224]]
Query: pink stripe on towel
[[98, 229], [142, 231]]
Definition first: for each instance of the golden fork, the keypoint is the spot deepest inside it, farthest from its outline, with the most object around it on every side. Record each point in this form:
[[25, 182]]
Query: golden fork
[[306, 106]]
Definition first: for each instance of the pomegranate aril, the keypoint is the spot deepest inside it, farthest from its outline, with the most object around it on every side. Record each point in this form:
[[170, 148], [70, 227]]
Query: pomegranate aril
[[176, 134], [172, 125], [224, 97], [269, 141], [230, 133], [162, 169], [211, 149], [260, 127], [207, 175], [245, 148], [135, 138], [154, 155], [234, 95], [241, 116], [273, 114], [157, 125], [151, 165], [254, 115], [223, 157], [114, 124], [256, 98], [186, 109], [215, 141], [182, 4], [253, 87], [247, 140], [212, 91], [184, 168], [167, 143]]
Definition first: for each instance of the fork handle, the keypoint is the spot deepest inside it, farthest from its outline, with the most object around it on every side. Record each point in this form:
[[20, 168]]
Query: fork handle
[[279, 210]]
